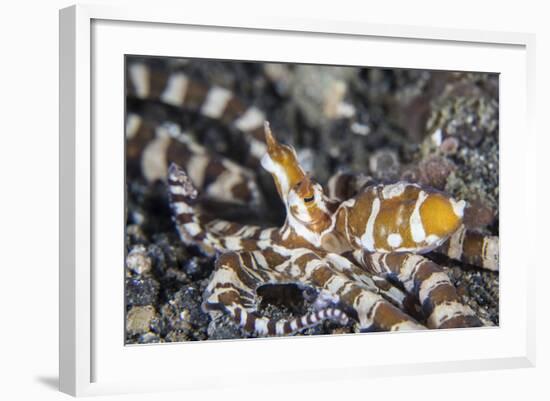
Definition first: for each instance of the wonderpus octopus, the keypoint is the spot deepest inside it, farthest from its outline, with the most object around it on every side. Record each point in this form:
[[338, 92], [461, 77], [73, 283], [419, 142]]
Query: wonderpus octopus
[[359, 244]]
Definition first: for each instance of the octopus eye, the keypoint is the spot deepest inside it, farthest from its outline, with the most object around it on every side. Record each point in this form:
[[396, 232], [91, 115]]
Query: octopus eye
[[310, 199]]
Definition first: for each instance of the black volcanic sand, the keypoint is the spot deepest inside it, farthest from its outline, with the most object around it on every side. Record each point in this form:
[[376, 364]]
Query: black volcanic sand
[[436, 128]]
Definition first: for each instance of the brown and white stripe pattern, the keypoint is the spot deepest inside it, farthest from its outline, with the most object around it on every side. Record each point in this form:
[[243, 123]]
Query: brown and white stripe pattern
[[400, 217], [425, 280], [233, 286], [356, 285], [473, 248], [177, 89], [152, 147], [464, 245], [189, 224], [233, 289], [372, 311], [252, 257], [211, 235], [257, 259], [373, 283]]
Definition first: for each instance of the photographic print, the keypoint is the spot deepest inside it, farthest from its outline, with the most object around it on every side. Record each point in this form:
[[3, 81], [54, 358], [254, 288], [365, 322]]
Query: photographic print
[[278, 199]]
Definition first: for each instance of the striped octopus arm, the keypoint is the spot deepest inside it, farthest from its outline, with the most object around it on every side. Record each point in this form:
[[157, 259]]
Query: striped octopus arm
[[177, 89], [473, 248], [359, 299], [233, 290], [346, 265], [427, 282], [152, 147], [210, 235]]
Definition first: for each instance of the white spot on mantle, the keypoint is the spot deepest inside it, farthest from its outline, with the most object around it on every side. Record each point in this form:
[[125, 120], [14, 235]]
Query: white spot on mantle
[[394, 240]]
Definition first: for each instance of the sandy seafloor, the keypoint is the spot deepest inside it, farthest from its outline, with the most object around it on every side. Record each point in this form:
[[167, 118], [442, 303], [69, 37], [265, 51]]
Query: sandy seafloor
[[436, 128]]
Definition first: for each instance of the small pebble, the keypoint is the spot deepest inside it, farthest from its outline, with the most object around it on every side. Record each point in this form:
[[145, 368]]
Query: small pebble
[[435, 170], [138, 261], [139, 318], [135, 234], [384, 165], [478, 215], [450, 145], [149, 338]]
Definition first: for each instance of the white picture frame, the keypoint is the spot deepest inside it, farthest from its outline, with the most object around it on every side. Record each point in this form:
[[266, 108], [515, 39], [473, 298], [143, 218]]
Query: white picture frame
[[93, 358]]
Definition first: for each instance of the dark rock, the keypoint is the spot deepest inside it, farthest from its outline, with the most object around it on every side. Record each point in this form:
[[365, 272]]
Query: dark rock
[[384, 165], [478, 215], [434, 171], [135, 235], [224, 328], [141, 291], [182, 315], [196, 268]]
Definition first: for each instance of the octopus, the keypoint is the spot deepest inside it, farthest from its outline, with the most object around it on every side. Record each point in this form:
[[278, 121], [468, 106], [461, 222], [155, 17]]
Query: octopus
[[360, 246]]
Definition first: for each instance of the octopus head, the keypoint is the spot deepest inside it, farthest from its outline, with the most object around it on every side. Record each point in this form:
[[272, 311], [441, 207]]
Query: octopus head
[[307, 206], [304, 199]]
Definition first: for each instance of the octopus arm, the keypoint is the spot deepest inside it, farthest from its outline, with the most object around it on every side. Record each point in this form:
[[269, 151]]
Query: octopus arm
[[211, 235], [177, 89], [233, 287], [473, 248], [361, 298], [427, 282]]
